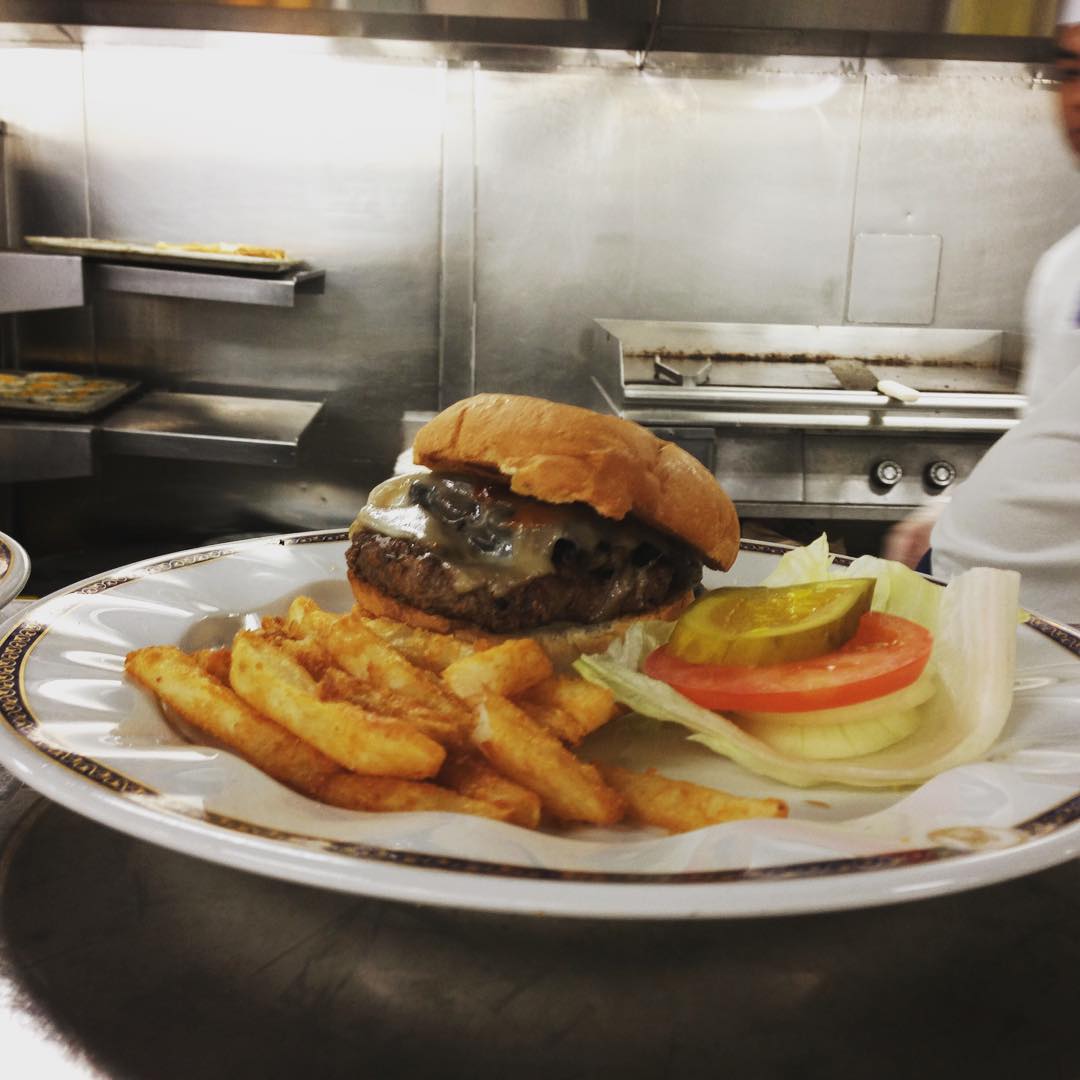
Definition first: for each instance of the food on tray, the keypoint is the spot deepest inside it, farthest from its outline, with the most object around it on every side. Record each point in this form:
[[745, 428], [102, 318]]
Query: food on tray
[[225, 249], [541, 530], [922, 683], [536, 581], [163, 251], [539, 519], [57, 389], [323, 704]]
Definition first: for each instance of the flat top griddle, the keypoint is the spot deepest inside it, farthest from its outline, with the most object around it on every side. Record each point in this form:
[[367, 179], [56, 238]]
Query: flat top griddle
[[814, 373]]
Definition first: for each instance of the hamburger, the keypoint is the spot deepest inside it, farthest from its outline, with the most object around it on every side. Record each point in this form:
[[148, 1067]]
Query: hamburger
[[540, 519]]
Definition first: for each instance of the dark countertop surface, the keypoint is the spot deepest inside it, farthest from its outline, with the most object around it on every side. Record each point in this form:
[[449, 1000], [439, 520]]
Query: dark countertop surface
[[122, 959]]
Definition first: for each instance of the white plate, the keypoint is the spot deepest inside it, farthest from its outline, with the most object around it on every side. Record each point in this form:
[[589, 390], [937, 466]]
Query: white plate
[[73, 728], [14, 568]]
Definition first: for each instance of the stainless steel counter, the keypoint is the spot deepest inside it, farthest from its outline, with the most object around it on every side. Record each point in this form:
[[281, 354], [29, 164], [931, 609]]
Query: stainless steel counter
[[33, 449], [277, 291], [209, 427], [192, 427], [120, 959]]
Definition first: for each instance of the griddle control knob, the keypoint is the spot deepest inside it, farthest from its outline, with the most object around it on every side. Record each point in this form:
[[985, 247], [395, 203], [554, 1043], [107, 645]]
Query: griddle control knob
[[887, 473], [940, 474]]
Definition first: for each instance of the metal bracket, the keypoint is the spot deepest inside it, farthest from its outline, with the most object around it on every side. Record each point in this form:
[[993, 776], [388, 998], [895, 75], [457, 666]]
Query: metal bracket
[[666, 373], [32, 282], [654, 26]]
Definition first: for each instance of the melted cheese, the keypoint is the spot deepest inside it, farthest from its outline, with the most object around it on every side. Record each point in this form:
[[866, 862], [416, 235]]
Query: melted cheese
[[533, 532]]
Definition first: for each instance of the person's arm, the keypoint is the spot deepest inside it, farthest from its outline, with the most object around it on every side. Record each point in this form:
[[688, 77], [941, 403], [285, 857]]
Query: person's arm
[[909, 540]]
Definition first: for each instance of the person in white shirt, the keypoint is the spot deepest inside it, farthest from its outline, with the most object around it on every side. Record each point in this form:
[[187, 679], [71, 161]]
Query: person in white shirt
[[1020, 506]]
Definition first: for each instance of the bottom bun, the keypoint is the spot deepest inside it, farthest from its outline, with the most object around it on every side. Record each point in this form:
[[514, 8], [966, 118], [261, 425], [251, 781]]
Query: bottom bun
[[563, 642]]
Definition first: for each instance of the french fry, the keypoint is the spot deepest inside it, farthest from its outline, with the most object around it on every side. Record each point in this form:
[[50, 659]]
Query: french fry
[[679, 806], [273, 624], [304, 648], [521, 749], [572, 707], [471, 775], [313, 657], [277, 686], [356, 649], [277, 664], [215, 662], [364, 713], [384, 794], [506, 670], [426, 648], [183, 684], [307, 619], [558, 721], [338, 685]]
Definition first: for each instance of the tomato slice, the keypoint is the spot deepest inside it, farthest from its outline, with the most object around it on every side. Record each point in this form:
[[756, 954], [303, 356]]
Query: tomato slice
[[886, 654]]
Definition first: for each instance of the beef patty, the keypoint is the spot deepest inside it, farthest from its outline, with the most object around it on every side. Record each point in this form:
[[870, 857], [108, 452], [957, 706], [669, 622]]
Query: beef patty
[[585, 587]]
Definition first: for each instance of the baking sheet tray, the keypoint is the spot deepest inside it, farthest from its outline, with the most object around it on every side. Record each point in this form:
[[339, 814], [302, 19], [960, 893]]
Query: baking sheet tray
[[59, 393], [149, 254]]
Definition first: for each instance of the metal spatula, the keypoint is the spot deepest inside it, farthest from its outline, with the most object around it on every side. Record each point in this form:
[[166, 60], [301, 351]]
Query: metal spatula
[[858, 375]]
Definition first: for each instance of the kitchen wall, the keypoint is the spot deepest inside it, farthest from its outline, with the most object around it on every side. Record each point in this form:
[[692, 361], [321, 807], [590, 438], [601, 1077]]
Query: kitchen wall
[[475, 215]]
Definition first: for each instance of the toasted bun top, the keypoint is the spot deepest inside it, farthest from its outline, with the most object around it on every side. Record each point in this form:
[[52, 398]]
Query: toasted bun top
[[562, 454]]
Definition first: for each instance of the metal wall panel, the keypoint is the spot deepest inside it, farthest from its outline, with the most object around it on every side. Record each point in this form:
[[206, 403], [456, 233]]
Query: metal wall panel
[[894, 279], [474, 221], [974, 154], [335, 159], [457, 310], [45, 166], [41, 104], [639, 195]]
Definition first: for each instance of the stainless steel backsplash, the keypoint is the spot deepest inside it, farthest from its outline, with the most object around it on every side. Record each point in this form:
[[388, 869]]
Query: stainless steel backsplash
[[475, 215]]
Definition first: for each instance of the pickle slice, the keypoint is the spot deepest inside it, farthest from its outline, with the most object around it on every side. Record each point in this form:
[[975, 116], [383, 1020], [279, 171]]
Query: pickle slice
[[751, 627]]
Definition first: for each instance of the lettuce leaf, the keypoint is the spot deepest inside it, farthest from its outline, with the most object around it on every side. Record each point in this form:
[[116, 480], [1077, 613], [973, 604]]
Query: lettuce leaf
[[802, 564], [899, 590], [974, 624]]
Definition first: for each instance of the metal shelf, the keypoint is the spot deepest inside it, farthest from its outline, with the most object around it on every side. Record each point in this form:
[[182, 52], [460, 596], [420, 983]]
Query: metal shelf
[[636, 27], [276, 291], [209, 427], [37, 281], [33, 282], [35, 449], [221, 428]]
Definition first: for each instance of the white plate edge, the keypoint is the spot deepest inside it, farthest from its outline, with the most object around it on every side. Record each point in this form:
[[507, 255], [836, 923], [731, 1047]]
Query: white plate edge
[[555, 897]]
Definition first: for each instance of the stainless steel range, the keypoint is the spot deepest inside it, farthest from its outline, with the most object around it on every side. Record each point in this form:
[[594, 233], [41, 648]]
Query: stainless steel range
[[822, 422]]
